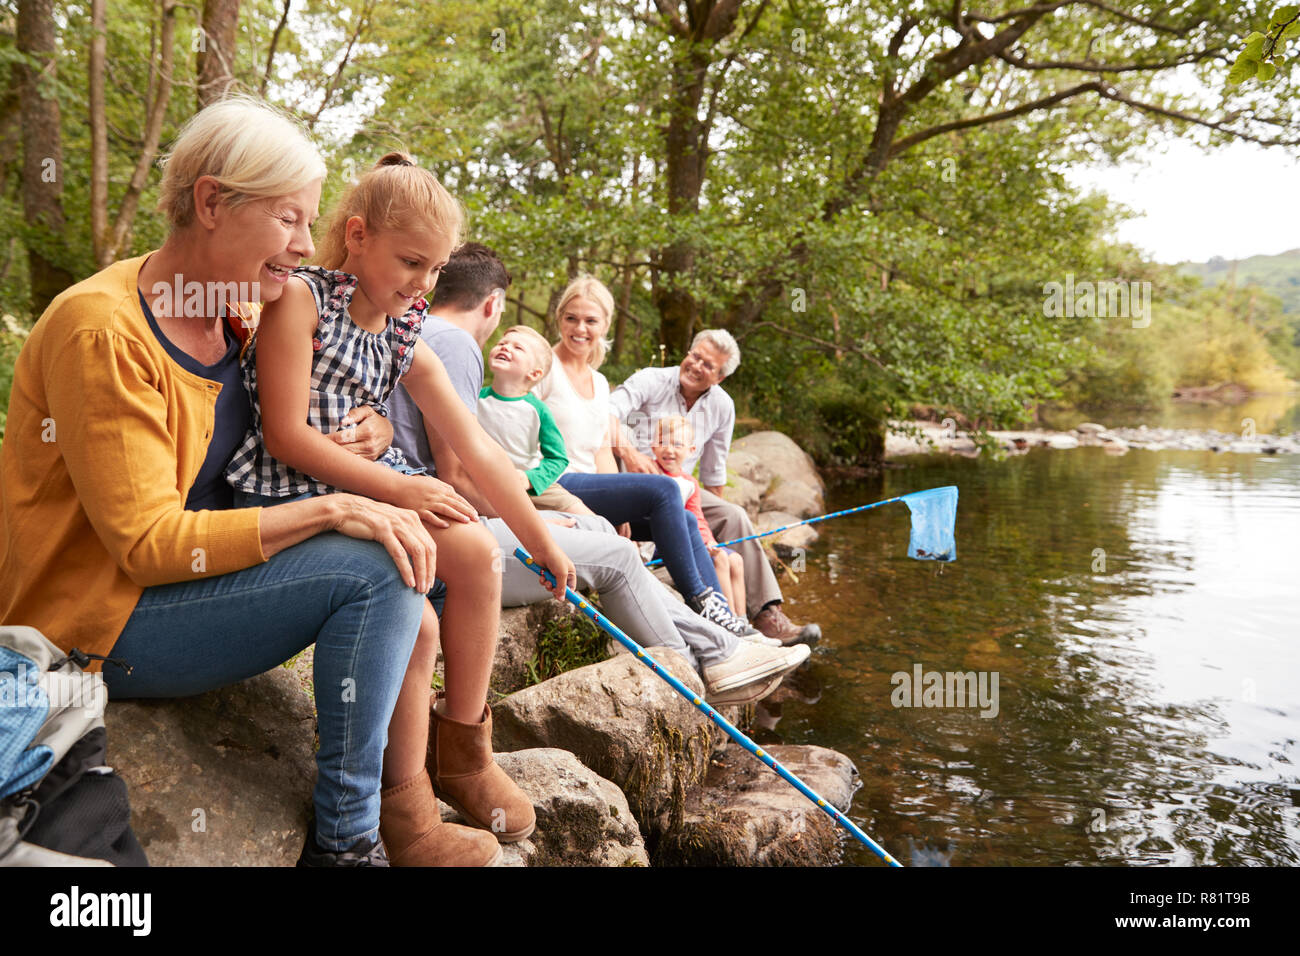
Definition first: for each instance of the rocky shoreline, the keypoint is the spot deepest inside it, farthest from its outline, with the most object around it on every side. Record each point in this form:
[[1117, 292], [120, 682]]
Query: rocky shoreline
[[622, 771], [923, 437]]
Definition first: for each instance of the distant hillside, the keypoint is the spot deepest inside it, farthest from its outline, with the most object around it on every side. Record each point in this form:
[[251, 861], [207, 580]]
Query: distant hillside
[[1278, 275]]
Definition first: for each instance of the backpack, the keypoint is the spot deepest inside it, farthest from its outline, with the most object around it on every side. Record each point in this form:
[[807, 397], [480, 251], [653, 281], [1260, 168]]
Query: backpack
[[59, 804]]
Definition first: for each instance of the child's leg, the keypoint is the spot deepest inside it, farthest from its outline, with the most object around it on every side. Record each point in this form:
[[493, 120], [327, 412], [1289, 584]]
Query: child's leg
[[460, 750], [467, 564], [723, 568], [737, 575], [408, 731], [555, 498]]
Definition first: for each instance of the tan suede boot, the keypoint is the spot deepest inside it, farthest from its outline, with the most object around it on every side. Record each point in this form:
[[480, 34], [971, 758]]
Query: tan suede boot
[[414, 834], [466, 777]]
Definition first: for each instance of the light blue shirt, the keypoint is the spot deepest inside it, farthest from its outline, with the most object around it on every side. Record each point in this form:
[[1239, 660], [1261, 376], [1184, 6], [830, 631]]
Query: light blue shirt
[[655, 393]]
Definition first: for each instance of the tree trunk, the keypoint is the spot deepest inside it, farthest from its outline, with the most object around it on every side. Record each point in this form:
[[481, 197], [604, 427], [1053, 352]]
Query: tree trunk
[[685, 153], [215, 62], [42, 150], [694, 37], [621, 311], [98, 135], [118, 238]]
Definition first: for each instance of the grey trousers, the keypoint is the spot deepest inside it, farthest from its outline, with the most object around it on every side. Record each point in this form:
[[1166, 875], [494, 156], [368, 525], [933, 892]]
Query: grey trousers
[[727, 522], [632, 597]]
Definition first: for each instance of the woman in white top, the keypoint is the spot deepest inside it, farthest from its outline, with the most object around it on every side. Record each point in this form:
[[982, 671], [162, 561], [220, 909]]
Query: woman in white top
[[578, 396]]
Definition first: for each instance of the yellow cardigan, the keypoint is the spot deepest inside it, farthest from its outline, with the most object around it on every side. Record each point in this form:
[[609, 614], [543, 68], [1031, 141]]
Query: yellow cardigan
[[105, 437]]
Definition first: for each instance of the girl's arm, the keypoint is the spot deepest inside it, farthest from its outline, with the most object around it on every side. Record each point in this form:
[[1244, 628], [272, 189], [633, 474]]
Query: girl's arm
[[284, 359], [485, 460]]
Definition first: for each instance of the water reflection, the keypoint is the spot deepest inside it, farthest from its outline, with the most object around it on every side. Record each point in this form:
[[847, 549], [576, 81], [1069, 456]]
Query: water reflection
[[1140, 614]]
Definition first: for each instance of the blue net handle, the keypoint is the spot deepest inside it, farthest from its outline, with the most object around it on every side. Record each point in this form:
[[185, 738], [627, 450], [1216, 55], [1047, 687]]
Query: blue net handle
[[934, 524]]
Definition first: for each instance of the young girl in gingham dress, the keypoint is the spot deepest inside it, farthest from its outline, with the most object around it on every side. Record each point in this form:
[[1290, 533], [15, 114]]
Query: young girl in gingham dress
[[351, 367], [351, 329]]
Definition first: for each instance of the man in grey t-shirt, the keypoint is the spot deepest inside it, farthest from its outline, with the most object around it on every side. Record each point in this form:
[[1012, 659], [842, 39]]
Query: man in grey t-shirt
[[469, 296]]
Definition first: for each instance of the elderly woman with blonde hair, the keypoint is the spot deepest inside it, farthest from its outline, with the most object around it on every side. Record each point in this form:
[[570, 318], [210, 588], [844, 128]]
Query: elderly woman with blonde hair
[[117, 534]]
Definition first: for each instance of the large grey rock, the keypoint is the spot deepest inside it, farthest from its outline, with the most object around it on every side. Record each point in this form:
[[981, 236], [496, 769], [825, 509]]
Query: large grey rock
[[743, 492], [749, 466], [623, 722], [221, 779], [787, 542], [782, 456], [582, 818], [795, 497], [746, 815]]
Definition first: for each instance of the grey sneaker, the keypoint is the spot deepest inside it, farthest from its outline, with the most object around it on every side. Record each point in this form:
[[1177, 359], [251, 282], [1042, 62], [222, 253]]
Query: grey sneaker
[[752, 662], [712, 606]]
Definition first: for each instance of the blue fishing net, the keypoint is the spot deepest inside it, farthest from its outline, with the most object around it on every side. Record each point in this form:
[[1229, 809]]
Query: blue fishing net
[[934, 524]]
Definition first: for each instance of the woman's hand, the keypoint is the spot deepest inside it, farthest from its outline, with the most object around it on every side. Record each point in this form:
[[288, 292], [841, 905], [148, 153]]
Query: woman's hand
[[435, 500], [399, 530], [365, 432], [625, 530]]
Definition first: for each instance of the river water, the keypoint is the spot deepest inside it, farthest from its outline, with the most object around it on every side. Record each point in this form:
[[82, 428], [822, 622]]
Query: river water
[[1140, 613]]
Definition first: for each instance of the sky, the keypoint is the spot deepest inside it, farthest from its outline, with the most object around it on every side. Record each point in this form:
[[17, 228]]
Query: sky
[[1236, 201]]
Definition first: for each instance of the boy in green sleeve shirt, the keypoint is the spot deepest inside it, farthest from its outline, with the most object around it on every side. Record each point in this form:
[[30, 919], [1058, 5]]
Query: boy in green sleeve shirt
[[521, 424]]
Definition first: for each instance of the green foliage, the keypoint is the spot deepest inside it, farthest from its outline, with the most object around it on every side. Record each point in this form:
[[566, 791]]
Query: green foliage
[[565, 643], [1265, 52], [917, 279], [1201, 337], [12, 335]]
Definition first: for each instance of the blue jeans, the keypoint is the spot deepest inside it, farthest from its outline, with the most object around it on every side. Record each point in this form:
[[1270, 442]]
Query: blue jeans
[[653, 506], [342, 594], [247, 499]]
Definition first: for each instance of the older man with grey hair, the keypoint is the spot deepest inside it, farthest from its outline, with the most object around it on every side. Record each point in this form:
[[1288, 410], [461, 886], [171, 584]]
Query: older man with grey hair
[[693, 391]]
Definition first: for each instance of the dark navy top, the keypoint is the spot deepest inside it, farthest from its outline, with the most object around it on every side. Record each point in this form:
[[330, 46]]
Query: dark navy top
[[211, 491]]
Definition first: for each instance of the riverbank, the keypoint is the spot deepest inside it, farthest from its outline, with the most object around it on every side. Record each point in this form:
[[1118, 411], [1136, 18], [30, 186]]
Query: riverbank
[[917, 437], [621, 770]]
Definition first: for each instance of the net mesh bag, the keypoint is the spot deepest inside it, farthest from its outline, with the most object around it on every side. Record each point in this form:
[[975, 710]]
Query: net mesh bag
[[934, 524]]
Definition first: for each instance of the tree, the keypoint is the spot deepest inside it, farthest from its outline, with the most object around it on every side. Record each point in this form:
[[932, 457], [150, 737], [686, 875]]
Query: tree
[[42, 172], [215, 57], [860, 193], [1265, 52], [109, 242]]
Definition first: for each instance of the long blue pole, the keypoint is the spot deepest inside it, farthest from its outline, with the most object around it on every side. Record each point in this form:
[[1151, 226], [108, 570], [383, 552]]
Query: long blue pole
[[732, 731], [763, 534]]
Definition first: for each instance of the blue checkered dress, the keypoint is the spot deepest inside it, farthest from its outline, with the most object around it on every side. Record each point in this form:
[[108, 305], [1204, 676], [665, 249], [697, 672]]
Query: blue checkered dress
[[350, 367]]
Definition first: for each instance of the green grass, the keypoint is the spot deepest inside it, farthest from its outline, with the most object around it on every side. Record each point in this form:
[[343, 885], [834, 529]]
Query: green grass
[[565, 643]]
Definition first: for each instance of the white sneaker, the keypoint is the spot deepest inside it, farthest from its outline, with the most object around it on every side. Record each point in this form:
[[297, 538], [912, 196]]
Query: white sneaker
[[746, 693], [752, 662]]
